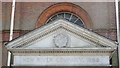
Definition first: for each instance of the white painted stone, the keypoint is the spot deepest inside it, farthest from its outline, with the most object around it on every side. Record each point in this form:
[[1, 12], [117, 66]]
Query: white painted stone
[[73, 41], [94, 50], [61, 60], [61, 40]]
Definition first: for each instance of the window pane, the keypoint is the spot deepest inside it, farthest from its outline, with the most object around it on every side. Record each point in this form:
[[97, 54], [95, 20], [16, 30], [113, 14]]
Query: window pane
[[79, 22], [49, 21], [54, 18], [73, 19], [67, 16], [61, 15]]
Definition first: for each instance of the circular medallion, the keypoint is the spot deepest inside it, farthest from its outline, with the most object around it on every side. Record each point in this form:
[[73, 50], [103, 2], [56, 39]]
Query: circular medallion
[[61, 40]]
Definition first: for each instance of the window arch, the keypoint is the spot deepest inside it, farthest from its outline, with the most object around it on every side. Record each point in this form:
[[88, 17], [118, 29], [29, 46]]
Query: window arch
[[64, 7]]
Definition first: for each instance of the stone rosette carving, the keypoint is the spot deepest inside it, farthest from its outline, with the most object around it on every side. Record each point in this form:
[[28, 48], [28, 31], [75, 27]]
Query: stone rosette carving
[[61, 40]]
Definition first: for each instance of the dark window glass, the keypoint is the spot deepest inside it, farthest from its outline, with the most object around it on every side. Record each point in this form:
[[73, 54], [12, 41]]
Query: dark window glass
[[73, 19], [67, 16], [61, 15], [54, 18], [79, 22]]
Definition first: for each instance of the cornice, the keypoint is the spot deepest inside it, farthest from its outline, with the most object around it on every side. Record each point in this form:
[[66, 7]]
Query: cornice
[[64, 50]]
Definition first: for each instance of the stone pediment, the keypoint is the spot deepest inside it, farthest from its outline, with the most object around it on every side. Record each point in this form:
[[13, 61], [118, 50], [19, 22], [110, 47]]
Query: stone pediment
[[61, 34], [61, 41]]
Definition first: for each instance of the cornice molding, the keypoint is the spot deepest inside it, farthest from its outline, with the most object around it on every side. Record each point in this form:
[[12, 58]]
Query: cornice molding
[[61, 52]]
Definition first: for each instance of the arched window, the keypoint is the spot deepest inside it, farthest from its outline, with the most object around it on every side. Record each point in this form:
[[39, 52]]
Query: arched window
[[67, 16], [67, 9]]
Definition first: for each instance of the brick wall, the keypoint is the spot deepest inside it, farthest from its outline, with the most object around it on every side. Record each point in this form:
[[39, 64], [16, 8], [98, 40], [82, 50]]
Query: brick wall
[[101, 14]]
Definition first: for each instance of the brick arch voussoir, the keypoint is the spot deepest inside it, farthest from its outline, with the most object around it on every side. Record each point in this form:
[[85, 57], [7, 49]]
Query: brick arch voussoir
[[64, 7]]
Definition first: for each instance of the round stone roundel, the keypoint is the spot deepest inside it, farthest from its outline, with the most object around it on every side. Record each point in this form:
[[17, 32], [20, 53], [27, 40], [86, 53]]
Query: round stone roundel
[[61, 40]]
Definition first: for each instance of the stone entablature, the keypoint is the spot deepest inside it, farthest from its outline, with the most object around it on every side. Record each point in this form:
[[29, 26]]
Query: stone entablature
[[59, 57]]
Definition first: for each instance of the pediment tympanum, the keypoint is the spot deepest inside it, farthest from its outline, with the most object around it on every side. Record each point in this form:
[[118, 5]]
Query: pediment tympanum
[[60, 40]]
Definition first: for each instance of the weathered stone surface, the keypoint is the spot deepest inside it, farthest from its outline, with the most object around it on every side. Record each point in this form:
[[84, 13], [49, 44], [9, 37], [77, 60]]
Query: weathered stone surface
[[61, 40], [61, 60]]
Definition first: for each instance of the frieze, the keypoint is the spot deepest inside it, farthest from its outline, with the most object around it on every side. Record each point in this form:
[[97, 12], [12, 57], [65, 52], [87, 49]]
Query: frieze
[[61, 60]]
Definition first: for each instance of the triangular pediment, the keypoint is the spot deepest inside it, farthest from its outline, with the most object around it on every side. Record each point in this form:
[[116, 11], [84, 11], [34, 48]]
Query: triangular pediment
[[61, 34]]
